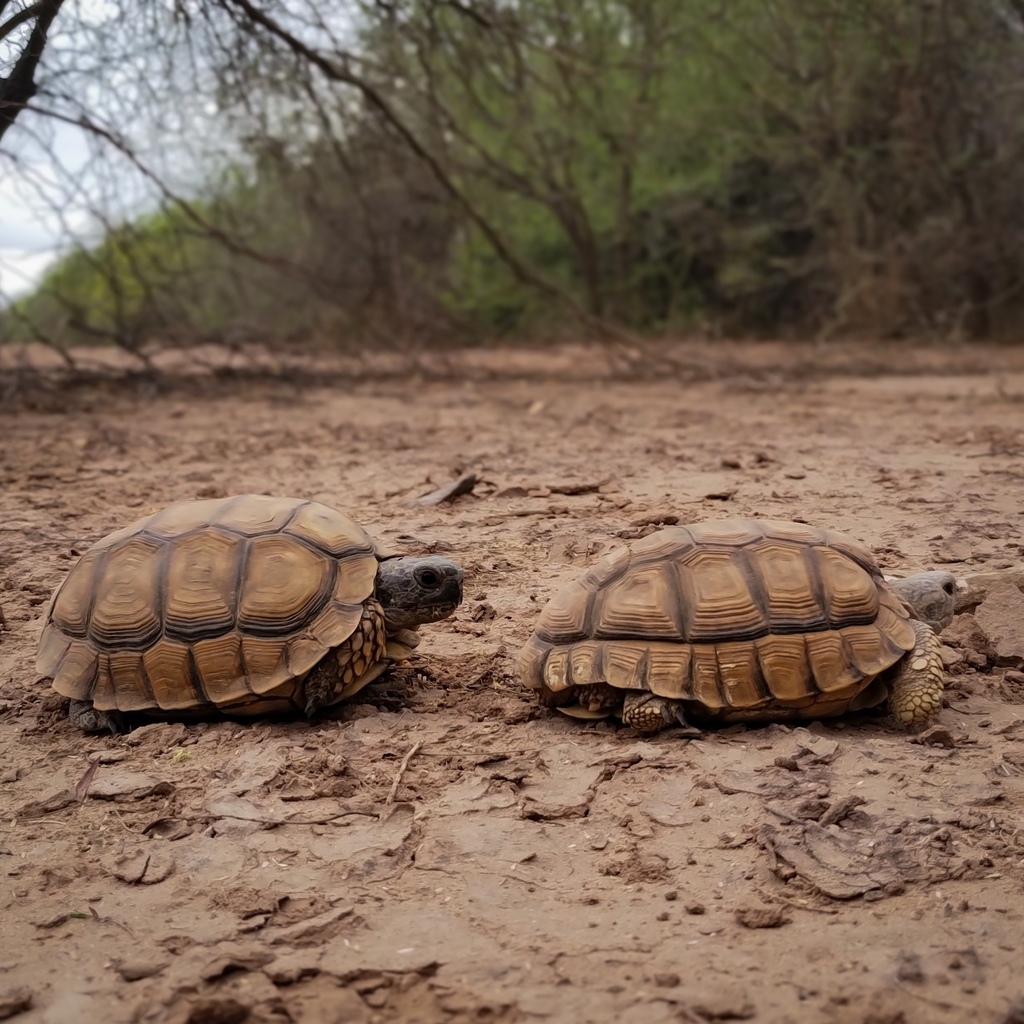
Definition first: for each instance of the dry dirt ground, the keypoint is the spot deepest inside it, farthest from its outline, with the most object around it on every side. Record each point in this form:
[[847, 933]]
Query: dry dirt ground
[[443, 850]]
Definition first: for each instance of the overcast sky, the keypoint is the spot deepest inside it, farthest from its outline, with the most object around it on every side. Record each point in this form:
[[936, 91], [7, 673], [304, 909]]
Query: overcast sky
[[31, 234]]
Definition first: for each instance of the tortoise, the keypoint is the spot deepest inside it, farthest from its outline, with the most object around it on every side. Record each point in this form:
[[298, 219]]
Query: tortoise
[[740, 621], [238, 607]]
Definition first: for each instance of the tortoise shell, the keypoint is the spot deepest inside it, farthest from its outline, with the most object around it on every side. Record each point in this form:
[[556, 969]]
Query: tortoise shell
[[746, 619], [225, 603]]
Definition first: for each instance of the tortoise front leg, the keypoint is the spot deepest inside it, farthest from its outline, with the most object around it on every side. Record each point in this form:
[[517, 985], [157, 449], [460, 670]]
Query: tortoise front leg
[[85, 717], [915, 693], [647, 712]]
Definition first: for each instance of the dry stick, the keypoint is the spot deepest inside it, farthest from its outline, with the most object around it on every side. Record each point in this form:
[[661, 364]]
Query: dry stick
[[401, 771]]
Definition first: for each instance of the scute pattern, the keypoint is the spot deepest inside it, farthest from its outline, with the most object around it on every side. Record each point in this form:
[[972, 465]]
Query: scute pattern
[[218, 602], [741, 618]]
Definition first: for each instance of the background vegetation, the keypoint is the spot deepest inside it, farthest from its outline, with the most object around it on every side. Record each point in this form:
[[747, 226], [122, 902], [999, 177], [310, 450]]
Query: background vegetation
[[465, 170]]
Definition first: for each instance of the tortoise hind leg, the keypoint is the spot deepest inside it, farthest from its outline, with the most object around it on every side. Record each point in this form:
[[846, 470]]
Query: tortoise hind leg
[[85, 717], [915, 692], [646, 712]]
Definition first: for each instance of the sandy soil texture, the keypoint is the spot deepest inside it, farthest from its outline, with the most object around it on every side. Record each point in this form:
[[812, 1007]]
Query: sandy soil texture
[[445, 851]]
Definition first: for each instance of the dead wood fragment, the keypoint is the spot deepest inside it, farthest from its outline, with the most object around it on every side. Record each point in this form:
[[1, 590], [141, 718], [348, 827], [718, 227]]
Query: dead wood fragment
[[449, 492], [401, 771]]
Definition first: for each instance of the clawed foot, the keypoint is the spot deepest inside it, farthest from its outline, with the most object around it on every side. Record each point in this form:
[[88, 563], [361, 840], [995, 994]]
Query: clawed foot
[[647, 712], [85, 717]]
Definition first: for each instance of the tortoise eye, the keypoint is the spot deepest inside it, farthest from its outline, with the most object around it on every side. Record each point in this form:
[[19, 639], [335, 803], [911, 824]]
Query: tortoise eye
[[428, 578], [948, 588]]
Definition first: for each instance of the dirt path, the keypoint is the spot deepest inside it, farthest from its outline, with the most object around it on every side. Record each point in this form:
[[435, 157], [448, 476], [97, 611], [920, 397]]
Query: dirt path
[[530, 867]]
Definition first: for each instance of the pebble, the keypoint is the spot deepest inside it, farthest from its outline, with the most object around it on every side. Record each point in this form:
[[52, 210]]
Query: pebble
[[136, 970]]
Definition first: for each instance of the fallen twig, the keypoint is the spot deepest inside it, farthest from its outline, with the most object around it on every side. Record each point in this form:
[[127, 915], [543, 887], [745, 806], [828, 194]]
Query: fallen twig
[[82, 789], [401, 771]]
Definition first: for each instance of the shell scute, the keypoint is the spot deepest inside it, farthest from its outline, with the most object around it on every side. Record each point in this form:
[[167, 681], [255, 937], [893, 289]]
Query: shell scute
[[201, 585], [128, 679], [851, 595], [76, 674], [126, 608], [329, 529], [178, 519], [266, 666], [717, 602], [742, 685], [784, 666], [730, 532], [170, 675], [565, 616], [625, 665], [790, 590], [282, 585], [255, 514], [668, 671], [73, 601], [221, 672], [641, 603]]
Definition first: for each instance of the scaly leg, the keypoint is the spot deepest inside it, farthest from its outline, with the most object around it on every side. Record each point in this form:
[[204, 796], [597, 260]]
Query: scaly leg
[[85, 717], [915, 693], [646, 712], [333, 678]]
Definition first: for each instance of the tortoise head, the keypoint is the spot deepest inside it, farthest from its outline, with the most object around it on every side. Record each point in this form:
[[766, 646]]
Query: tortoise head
[[931, 596], [416, 590]]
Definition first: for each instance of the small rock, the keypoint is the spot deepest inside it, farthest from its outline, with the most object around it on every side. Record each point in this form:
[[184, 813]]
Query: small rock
[[1001, 616], [952, 549], [936, 736], [482, 611], [304, 931], [247, 901], [761, 917], [136, 970], [239, 960], [694, 908], [217, 1011], [910, 969], [14, 1001], [791, 764], [1014, 1013], [123, 785], [951, 657], [128, 867], [1013, 676], [671, 895], [965, 633], [158, 736], [666, 980], [723, 1005], [816, 749], [139, 866]]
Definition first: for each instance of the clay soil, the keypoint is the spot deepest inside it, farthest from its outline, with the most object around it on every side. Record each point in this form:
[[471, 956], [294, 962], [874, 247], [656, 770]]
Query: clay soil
[[443, 849]]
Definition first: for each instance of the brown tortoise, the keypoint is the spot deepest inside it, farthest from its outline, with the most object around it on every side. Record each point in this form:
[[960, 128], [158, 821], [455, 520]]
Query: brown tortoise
[[740, 621], [241, 606]]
